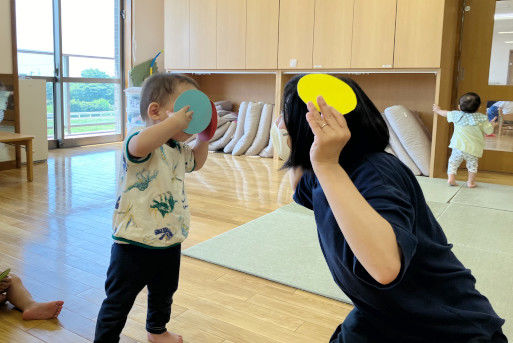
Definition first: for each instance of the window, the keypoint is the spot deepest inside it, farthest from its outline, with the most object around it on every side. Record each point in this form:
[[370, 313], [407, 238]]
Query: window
[[76, 47]]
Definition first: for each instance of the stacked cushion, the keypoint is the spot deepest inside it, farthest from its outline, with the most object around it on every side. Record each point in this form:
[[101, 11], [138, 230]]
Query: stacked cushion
[[263, 132], [406, 125], [251, 123]]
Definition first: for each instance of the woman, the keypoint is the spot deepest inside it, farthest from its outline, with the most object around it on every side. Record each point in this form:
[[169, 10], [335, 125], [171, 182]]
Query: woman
[[382, 244]]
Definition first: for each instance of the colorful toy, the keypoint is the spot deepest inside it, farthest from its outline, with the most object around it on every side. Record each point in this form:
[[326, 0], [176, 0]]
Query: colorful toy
[[336, 92], [200, 104], [208, 133]]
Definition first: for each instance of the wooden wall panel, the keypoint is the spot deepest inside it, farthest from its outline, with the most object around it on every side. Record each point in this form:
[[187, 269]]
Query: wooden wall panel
[[373, 34], [296, 33], [231, 34], [238, 87], [262, 34], [418, 34], [203, 36], [176, 34], [5, 37], [333, 33]]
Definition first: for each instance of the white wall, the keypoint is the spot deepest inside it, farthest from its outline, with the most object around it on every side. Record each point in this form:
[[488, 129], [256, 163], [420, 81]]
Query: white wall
[[5, 37], [500, 52], [147, 30]]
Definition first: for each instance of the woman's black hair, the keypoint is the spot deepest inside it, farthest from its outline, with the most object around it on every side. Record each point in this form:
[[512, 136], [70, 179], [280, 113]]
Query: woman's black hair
[[369, 132]]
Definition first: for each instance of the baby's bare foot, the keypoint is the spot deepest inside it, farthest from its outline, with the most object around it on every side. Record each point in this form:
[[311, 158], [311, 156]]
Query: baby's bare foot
[[471, 184], [166, 337], [47, 310]]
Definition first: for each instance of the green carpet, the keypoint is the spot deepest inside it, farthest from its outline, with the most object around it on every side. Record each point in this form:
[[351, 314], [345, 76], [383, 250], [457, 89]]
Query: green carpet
[[282, 246]]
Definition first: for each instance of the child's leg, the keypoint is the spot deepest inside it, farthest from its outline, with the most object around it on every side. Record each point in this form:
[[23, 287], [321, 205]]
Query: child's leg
[[472, 163], [453, 165], [126, 277], [161, 288], [18, 295]]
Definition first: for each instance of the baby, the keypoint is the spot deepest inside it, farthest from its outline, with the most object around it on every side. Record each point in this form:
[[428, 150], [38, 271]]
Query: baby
[[467, 141], [13, 291], [151, 217]]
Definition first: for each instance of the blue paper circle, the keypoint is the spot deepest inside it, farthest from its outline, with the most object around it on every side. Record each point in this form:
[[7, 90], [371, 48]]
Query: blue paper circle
[[200, 105]]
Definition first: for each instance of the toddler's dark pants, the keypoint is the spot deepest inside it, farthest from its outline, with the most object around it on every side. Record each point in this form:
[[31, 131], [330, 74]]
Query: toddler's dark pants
[[131, 268]]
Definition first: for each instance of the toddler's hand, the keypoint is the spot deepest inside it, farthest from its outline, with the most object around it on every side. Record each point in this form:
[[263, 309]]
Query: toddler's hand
[[182, 118], [436, 108]]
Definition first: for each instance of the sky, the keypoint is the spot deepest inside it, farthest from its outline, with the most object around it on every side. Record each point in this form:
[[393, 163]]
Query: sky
[[87, 29]]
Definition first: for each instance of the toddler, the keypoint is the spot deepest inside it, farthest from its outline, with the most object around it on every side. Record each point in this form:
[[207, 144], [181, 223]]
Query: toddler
[[151, 217], [467, 141]]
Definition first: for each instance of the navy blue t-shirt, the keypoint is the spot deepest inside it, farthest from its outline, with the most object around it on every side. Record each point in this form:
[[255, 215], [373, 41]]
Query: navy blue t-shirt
[[434, 297]]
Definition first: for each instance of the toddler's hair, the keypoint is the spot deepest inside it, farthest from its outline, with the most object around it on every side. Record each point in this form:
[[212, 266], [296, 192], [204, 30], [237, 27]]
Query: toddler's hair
[[470, 102], [2, 86], [159, 87]]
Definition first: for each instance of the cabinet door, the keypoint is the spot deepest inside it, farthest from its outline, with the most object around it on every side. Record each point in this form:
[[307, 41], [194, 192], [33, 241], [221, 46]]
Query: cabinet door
[[373, 34], [333, 33], [262, 34], [176, 34], [418, 36], [231, 34], [202, 34], [296, 34]]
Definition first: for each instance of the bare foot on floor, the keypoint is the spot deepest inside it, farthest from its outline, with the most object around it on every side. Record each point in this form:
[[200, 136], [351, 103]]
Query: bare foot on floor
[[48, 310], [471, 185], [166, 337]]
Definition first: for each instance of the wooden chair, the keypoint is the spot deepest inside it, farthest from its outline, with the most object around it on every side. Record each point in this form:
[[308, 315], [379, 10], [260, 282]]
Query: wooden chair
[[18, 139]]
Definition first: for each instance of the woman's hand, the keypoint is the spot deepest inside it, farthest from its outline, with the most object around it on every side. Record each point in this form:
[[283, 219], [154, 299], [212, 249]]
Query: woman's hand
[[331, 134]]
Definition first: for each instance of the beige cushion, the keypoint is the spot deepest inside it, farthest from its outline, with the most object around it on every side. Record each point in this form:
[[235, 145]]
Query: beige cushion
[[411, 134], [251, 123], [224, 105], [240, 128], [268, 150], [225, 139], [221, 130], [399, 151], [263, 132]]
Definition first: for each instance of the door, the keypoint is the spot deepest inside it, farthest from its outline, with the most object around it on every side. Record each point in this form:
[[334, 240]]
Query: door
[[296, 34], [203, 34], [484, 69], [418, 34], [373, 34], [231, 34], [262, 34], [510, 68], [333, 32], [176, 34]]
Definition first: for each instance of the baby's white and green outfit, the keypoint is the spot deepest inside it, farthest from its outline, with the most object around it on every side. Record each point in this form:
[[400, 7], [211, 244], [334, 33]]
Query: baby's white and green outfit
[[467, 142], [151, 220], [152, 209]]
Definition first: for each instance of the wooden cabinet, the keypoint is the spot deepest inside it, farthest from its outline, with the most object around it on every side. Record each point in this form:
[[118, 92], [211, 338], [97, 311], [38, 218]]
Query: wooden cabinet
[[176, 34], [231, 34], [333, 33], [418, 36], [203, 34], [373, 34], [296, 34], [262, 34]]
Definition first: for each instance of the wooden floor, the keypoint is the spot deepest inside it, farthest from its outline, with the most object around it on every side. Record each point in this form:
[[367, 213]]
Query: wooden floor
[[502, 141], [55, 234]]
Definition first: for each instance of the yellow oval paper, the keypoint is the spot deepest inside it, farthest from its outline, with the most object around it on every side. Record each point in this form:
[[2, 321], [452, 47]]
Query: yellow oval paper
[[336, 92]]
